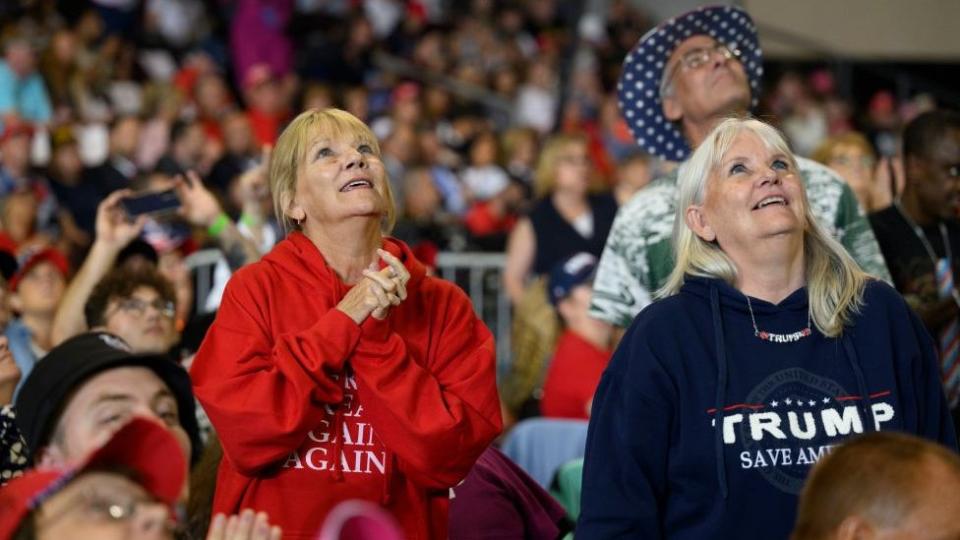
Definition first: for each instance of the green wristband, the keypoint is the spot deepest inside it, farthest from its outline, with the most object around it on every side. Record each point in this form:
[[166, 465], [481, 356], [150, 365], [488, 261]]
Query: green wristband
[[249, 220], [219, 224]]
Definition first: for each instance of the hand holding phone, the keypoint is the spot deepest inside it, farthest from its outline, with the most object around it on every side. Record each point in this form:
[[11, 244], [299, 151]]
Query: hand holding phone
[[115, 229], [157, 203], [200, 206]]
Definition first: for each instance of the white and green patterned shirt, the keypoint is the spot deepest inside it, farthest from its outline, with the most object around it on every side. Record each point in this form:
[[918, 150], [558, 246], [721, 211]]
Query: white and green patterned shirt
[[638, 256]]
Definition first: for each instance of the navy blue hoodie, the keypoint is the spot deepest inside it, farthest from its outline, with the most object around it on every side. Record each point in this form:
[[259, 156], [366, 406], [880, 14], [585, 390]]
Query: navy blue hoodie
[[656, 467]]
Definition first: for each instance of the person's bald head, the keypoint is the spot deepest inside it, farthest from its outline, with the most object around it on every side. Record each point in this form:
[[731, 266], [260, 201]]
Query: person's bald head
[[882, 486]]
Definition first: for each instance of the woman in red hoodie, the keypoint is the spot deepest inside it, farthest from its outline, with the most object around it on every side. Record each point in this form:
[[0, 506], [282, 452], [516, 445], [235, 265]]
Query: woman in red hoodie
[[336, 368]]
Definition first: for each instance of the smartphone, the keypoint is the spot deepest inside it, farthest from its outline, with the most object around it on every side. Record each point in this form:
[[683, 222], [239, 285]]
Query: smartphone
[[157, 203]]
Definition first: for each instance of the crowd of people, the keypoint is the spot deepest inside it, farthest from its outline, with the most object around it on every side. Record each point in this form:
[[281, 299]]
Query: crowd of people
[[717, 321]]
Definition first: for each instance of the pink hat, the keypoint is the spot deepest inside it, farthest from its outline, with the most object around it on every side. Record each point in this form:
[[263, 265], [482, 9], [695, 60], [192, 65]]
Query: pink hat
[[359, 520]]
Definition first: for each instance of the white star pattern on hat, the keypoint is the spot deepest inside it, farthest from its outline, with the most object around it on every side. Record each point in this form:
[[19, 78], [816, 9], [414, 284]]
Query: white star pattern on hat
[[646, 62]]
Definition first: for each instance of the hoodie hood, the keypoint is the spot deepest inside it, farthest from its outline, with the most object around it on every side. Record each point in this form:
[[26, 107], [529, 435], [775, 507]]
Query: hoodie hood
[[731, 298], [713, 431], [313, 408], [298, 257], [724, 297]]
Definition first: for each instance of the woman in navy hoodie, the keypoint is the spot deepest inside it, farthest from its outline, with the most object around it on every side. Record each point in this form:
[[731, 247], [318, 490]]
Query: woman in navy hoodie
[[768, 348]]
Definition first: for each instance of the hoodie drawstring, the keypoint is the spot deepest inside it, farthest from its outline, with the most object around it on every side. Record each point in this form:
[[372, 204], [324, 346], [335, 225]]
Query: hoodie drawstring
[[866, 403], [385, 497], [721, 389], [337, 469], [338, 445]]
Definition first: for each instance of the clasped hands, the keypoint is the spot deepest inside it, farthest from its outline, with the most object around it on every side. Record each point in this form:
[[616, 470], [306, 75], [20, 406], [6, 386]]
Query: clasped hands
[[378, 291]]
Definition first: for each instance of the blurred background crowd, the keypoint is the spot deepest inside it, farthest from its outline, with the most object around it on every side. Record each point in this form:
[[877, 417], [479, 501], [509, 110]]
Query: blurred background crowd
[[483, 108], [479, 106], [99, 95], [466, 97]]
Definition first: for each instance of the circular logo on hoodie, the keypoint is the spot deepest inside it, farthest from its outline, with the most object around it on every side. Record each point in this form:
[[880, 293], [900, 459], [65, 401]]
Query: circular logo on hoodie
[[792, 419]]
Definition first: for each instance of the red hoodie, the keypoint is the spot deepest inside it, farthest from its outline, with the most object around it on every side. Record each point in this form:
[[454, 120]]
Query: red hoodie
[[407, 403]]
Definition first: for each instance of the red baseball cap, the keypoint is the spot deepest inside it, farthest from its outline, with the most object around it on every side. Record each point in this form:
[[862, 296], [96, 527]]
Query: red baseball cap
[[142, 446], [405, 92], [14, 127], [257, 74], [32, 259]]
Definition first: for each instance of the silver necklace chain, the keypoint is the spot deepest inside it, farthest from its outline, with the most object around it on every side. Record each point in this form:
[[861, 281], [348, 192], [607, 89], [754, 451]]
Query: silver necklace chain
[[774, 337], [922, 236]]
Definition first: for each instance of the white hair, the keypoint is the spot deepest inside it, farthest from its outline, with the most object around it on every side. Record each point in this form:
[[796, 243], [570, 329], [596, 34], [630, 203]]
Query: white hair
[[834, 281]]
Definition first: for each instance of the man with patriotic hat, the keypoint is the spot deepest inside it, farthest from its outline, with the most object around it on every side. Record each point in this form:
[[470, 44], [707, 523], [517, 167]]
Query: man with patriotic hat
[[680, 80]]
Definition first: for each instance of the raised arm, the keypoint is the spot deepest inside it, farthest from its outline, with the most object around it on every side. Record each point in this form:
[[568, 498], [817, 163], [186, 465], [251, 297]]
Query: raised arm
[[202, 209], [113, 233], [252, 189]]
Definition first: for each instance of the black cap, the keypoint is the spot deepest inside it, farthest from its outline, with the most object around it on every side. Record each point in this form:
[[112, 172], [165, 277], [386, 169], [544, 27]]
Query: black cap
[[55, 377], [137, 247]]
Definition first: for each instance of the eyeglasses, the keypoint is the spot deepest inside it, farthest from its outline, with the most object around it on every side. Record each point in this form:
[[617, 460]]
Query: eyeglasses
[[138, 307], [696, 58], [98, 505], [123, 511]]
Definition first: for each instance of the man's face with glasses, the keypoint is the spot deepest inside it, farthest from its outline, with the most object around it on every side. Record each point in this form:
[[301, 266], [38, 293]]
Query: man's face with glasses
[[144, 320], [703, 80]]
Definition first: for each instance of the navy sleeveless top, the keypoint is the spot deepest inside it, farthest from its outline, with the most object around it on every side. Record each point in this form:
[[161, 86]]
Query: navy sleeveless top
[[557, 239]]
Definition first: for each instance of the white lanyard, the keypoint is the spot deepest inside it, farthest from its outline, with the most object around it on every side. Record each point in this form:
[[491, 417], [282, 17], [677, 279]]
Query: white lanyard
[[922, 236]]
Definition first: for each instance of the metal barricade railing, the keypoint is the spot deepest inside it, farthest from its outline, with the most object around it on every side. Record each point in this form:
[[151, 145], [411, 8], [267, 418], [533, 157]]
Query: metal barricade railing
[[481, 276], [201, 265]]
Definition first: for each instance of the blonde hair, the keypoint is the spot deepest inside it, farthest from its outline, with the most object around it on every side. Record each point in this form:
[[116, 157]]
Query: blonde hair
[[834, 281], [825, 152], [290, 152], [544, 177], [514, 138]]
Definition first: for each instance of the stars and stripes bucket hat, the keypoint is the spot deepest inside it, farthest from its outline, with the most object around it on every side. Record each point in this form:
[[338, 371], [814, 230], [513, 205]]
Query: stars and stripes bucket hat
[[638, 89]]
